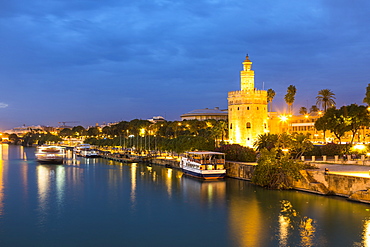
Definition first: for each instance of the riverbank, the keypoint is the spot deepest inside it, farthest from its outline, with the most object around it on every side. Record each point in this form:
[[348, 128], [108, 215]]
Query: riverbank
[[345, 180]]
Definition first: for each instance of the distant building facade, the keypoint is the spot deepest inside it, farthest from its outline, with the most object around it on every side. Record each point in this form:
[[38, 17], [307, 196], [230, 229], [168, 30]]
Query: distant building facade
[[247, 109], [205, 114], [156, 119], [20, 131]]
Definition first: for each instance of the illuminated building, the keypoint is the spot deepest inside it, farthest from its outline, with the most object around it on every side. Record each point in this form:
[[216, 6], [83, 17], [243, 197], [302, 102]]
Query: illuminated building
[[247, 109], [205, 114]]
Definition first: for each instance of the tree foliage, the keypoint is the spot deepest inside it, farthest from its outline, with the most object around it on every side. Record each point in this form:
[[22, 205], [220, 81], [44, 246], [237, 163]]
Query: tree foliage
[[290, 97], [275, 171], [325, 99], [270, 96], [347, 118], [303, 110], [367, 95], [266, 141], [235, 152]]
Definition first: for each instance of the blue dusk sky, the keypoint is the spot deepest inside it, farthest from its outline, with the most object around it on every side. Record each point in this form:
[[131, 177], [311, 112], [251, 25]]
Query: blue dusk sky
[[94, 61]]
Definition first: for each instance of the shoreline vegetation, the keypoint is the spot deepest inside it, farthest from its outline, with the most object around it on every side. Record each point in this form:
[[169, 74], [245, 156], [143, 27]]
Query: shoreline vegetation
[[277, 155]]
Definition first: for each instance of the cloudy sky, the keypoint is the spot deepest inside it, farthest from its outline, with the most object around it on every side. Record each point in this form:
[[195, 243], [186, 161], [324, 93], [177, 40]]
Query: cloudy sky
[[93, 61]]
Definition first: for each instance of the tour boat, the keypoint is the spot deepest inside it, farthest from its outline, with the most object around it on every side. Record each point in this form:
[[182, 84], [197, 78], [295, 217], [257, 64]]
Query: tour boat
[[89, 153], [50, 154], [80, 147], [204, 164]]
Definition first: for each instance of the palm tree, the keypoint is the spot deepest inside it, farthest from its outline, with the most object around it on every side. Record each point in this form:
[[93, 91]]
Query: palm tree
[[314, 109], [325, 99], [290, 97], [267, 141], [367, 95], [270, 96], [303, 110]]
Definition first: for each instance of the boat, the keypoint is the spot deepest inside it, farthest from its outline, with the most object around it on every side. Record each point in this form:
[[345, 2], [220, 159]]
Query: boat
[[89, 153], [50, 154], [80, 147], [204, 164]]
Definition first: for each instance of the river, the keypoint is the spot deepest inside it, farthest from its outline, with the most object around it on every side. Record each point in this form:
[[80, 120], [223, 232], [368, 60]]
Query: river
[[98, 202]]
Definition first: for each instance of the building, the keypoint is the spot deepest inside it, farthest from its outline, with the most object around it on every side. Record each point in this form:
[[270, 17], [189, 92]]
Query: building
[[156, 119], [205, 114], [20, 131], [247, 109]]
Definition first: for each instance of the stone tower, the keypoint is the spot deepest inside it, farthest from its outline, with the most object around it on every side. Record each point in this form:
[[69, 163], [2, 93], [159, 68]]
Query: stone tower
[[247, 109]]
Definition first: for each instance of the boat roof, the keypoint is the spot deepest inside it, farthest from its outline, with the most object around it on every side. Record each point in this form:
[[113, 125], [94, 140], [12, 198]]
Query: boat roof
[[204, 152], [47, 146]]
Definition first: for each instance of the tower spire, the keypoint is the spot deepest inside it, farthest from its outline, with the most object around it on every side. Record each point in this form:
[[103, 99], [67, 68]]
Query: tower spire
[[247, 75]]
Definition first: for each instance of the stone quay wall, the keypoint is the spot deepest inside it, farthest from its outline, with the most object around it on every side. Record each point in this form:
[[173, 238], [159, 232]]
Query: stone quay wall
[[314, 181]]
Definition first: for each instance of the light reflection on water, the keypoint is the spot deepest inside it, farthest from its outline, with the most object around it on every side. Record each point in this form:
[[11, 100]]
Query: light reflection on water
[[107, 198]]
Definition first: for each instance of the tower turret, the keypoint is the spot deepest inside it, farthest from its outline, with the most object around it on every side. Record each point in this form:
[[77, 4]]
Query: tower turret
[[247, 75]]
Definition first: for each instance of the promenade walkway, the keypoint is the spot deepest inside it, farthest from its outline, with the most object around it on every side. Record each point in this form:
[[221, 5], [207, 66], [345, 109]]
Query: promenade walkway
[[345, 169]]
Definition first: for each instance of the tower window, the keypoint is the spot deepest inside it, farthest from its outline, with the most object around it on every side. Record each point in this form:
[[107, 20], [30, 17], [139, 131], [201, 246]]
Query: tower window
[[248, 125], [231, 126], [265, 125], [248, 108], [257, 108], [238, 108]]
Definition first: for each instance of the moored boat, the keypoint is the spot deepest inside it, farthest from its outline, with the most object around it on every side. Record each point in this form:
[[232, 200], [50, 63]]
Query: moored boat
[[89, 153], [204, 164], [81, 147], [50, 154]]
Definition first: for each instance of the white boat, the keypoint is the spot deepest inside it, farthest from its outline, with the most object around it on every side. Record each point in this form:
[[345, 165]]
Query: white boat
[[204, 164], [81, 147], [89, 153], [50, 154]]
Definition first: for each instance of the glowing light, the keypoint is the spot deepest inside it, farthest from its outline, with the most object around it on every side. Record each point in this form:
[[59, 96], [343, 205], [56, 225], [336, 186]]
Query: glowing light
[[359, 147], [283, 118], [142, 131], [306, 116]]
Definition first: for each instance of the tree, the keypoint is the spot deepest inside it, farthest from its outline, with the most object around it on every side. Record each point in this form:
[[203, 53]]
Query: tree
[[79, 130], [66, 132], [276, 171], [347, 118], [284, 141], [314, 109], [303, 110], [334, 121], [325, 99], [270, 96], [356, 117], [290, 97], [236, 152], [300, 144], [267, 141], [13, 138], [93, 131], [367, 95]]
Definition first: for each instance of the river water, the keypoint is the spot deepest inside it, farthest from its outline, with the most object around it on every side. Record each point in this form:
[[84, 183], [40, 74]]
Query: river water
[[97, 202]]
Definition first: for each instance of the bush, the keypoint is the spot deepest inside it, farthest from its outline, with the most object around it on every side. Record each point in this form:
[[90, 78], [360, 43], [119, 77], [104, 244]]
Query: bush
[[276, 171], [236, 152], [315, 151], [331, 149]]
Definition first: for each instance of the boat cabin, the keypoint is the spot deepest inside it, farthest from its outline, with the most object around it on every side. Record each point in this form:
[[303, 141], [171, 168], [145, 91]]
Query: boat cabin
[[207, 160]]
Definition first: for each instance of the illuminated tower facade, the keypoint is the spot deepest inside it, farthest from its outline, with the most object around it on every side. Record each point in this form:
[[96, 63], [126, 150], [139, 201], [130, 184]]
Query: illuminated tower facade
[[247, 109]]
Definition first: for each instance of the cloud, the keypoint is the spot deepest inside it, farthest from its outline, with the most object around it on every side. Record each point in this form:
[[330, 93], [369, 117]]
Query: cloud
[[3, 105]]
